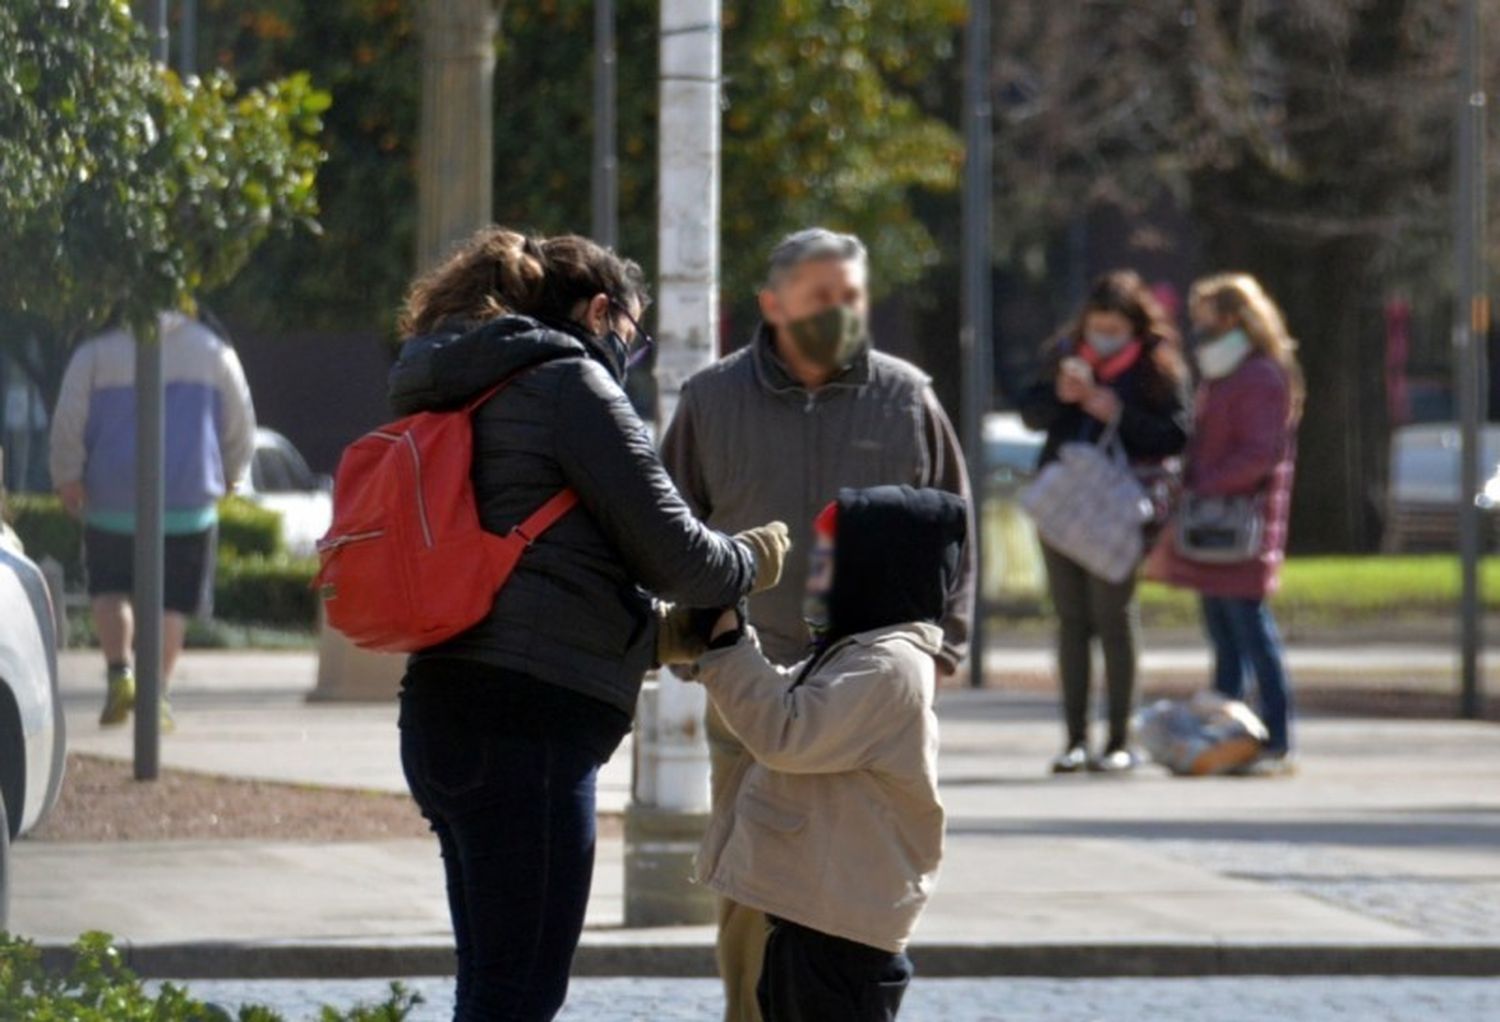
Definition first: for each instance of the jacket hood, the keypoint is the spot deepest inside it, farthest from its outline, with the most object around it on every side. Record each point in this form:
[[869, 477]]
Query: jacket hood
[[447, 369], [896, 558]]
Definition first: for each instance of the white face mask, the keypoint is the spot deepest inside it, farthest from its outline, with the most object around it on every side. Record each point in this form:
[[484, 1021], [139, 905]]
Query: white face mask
[[1222, 355], [1105, 345]]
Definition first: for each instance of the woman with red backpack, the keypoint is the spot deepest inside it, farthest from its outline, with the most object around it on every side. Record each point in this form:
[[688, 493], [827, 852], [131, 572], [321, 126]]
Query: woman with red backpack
[[504, 726]]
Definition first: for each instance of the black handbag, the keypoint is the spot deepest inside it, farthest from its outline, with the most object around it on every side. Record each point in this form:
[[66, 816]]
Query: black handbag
[[1220, 530]]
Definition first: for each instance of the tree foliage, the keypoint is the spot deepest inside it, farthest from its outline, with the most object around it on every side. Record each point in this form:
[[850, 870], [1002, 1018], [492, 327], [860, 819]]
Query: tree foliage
[[827, 119], [124, 190], [1309, 142]]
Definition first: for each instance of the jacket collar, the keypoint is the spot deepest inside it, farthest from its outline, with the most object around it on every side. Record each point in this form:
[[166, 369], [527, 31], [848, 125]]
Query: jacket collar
[[926, 637], [776, 378]]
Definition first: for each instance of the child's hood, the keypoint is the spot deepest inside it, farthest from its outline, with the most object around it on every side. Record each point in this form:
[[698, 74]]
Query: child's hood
[[897, 555]]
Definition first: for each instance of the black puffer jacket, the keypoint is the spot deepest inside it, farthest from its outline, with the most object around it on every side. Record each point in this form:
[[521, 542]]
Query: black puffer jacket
[[578, 610]]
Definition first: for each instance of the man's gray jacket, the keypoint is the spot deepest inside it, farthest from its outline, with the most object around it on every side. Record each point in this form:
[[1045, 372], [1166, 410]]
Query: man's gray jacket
[[749, 445]]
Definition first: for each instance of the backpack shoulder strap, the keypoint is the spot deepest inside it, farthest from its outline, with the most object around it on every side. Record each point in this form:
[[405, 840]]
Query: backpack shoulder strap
[[546, 516]]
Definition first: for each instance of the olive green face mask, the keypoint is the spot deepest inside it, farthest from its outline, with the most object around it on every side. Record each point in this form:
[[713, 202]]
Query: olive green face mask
[[830, 339]]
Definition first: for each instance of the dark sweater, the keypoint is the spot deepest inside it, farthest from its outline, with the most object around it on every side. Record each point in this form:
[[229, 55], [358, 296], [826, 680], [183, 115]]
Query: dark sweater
[[1154, 423]]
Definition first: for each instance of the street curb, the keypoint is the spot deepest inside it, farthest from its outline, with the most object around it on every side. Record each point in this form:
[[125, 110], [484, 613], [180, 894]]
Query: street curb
[[244, 961]]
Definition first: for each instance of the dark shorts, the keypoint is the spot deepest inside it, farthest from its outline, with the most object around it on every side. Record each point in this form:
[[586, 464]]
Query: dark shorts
[[109, 559]]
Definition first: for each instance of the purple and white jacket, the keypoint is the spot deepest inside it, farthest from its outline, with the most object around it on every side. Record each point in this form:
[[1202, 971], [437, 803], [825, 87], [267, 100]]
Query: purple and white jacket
[[210, 425]]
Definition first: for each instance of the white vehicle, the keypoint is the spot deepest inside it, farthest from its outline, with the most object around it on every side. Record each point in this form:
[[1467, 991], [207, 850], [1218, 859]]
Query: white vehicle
[[33, 744], [1014, 577], [1422, 507], [280, 481]]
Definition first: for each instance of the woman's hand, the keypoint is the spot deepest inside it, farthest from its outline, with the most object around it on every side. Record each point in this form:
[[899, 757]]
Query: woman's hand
[[1103, 404]]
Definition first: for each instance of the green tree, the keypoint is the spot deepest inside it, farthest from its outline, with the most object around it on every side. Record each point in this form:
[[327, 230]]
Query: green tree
[[1309, 141], [828, 119], [123, 190]]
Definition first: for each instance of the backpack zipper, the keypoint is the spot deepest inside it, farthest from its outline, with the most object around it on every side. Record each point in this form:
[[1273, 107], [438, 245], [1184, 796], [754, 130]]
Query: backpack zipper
[[416, 460], [328, 546]]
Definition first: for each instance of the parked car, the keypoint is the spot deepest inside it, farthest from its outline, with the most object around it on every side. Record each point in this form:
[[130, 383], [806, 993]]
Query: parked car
[[1422, 503], [1014, 578], [280, 481], [33, 743]]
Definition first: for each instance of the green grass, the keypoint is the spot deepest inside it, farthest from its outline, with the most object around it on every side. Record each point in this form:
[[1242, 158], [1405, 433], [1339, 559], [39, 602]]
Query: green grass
[[1340, 590]]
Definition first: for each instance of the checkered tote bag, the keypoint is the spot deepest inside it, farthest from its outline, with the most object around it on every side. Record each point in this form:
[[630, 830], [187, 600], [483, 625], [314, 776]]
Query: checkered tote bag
[[1088, 505]]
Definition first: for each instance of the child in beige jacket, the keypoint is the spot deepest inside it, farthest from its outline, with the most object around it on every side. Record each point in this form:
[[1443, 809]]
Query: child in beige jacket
[[835, 830]]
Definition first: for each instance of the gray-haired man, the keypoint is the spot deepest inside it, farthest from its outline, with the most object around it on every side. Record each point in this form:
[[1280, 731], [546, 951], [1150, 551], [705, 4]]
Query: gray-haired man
[[774, 431]]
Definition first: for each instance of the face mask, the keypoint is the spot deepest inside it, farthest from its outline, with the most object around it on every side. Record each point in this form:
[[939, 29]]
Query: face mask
[[830, 339], [1105, 345], [1222, 355], [618, 350], [816, 612]]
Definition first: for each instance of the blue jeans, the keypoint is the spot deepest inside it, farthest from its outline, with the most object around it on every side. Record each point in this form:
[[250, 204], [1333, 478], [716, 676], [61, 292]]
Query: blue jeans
[[514, 819], [1245, 639]]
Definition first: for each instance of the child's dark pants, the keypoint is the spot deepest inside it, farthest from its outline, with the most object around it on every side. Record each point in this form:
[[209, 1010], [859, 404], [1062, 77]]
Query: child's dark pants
[[813, 977]]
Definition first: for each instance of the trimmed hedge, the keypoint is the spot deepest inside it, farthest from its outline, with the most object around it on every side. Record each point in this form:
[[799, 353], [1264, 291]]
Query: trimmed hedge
[[271, 591], [46, 530], [248, 530]]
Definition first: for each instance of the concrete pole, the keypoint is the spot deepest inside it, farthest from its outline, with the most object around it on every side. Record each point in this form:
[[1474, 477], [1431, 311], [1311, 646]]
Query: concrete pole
[[150, 497], [455, 175], [670, 796], [455, 197], [1470, 339], [976, 336]]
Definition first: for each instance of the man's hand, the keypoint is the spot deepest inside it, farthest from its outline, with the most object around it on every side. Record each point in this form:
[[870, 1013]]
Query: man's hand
[[72, 497], [770, 545]]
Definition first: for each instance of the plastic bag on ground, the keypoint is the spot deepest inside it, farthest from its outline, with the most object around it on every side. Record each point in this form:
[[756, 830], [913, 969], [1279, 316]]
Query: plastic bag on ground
[[1208, 734]]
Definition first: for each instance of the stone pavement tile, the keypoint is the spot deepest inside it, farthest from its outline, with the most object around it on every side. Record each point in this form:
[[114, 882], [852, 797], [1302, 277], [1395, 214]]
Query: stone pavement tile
[[964, 1000], [338, 745], [991, 889], [195, 891], [1031, 889], [252, 891]]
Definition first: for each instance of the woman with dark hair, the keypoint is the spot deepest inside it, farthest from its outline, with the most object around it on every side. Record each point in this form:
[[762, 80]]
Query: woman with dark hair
[[504, 727], [1118, 366]]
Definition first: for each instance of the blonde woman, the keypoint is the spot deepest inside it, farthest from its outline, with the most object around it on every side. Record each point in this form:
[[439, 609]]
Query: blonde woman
[[1242, 452]]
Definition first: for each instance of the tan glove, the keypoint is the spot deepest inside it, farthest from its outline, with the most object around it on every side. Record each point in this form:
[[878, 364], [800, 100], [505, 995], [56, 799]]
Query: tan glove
[[770, 545], [675, 641]]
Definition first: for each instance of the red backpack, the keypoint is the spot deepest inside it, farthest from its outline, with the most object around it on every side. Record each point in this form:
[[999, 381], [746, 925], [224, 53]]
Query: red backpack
[[406, 563]]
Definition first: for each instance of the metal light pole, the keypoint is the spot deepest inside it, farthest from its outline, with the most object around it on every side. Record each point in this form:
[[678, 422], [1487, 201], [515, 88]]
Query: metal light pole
[[669, 795], [187, 45], [150, 503], [976, 337], [606, 219], [1471, 327]]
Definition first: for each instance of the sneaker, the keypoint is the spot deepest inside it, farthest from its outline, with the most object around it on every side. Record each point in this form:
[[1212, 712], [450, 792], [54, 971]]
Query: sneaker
[[120, 700], [1271, 763], [168, 721], [1114, 761], [1073, 759]]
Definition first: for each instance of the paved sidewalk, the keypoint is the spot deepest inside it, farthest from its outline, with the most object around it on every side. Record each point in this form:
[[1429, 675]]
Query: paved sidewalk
[[1383, 854], [957, 1000]]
